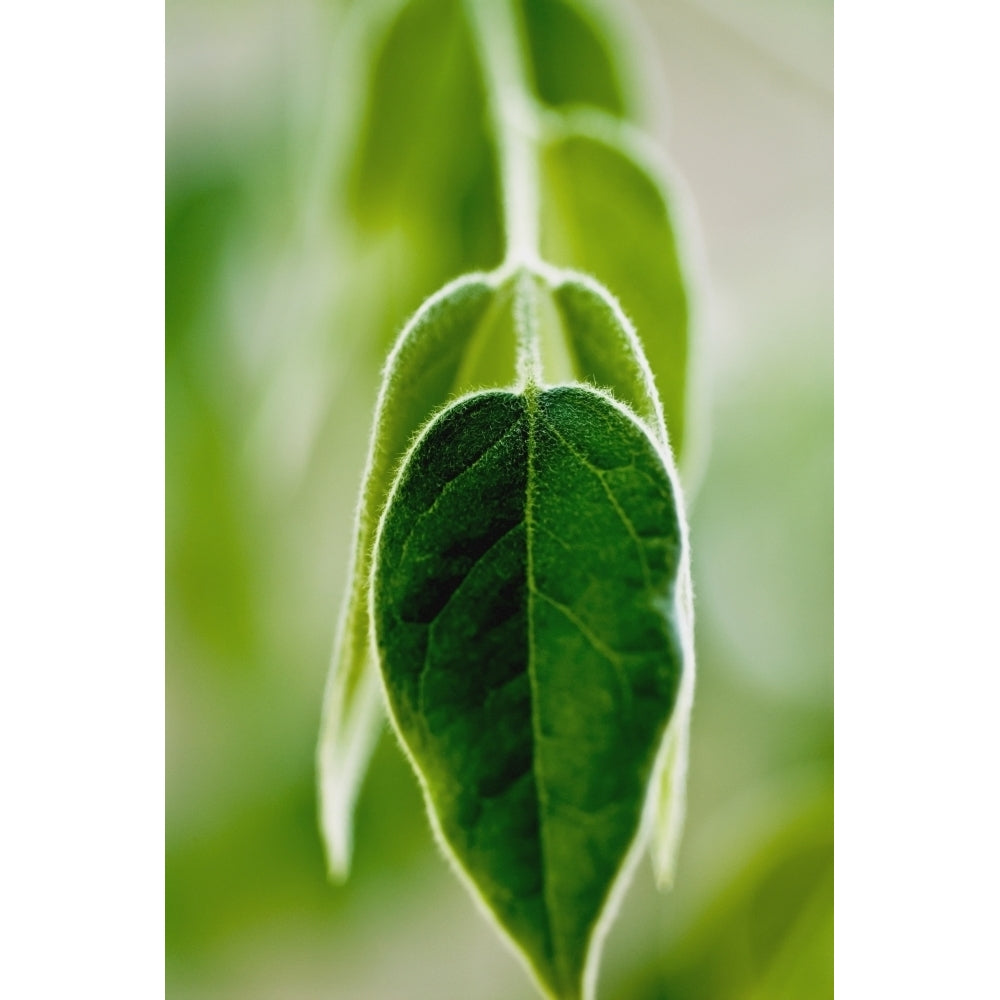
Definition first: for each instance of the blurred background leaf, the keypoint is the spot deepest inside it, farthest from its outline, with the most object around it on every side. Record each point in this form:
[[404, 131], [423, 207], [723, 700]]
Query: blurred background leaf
[[285, 283], [607, 215], [586, 71]]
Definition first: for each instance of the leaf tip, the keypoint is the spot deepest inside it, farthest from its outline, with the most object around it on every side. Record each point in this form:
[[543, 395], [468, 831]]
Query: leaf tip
[[335, 829]]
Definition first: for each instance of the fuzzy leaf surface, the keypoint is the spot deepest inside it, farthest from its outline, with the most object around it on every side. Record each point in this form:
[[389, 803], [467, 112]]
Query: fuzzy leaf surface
[[529, 632], [605, 348]]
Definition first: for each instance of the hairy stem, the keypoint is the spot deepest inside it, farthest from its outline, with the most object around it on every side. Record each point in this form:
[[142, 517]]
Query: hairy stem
[[512, 110]]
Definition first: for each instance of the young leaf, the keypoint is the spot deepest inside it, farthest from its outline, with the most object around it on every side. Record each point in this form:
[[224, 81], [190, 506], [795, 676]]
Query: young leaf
[[425, 160], [424, 370], [607, 214], [424, 115], [526, 615], [606, 349]]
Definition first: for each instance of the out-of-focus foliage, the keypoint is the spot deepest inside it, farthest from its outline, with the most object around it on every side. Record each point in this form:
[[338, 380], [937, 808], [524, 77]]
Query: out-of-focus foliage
[[425, 171], [283, 291], [604, 214]]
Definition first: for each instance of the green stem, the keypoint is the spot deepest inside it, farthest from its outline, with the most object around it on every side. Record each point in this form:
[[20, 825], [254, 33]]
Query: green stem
[[512, 109]]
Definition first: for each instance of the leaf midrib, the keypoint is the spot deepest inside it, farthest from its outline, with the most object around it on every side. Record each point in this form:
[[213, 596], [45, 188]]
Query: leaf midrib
[[531, 405]]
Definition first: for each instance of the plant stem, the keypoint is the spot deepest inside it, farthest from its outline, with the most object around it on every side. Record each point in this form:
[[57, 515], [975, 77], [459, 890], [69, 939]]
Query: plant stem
[[514, 117]]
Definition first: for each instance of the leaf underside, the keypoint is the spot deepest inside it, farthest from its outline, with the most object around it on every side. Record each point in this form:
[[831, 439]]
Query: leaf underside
[[423, 372], [606, 352], [528, 630], [425, 170]]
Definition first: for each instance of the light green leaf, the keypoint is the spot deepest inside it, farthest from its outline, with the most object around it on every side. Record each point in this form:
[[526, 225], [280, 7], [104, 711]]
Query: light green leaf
[[421, 185], [605, 211], [527, 617], [438, 355], [425, 160], [669, 788], [423, 95], [605, 348]]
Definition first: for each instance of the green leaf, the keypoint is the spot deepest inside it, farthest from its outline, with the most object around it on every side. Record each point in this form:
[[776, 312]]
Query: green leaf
[[439, 354], [669, 787], [605, 348], [605, 211], [607, 352], [425, 161], [424, 91], [585, 70], [525, 596]]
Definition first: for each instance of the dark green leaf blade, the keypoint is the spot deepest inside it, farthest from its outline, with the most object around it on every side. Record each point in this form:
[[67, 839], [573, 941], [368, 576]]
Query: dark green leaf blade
[[527, 620]]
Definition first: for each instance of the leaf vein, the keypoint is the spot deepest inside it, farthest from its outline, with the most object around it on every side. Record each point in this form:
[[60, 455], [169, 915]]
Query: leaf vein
[[598, 644], [601, 477], [421, 677], [531, 398], [451, 484]]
